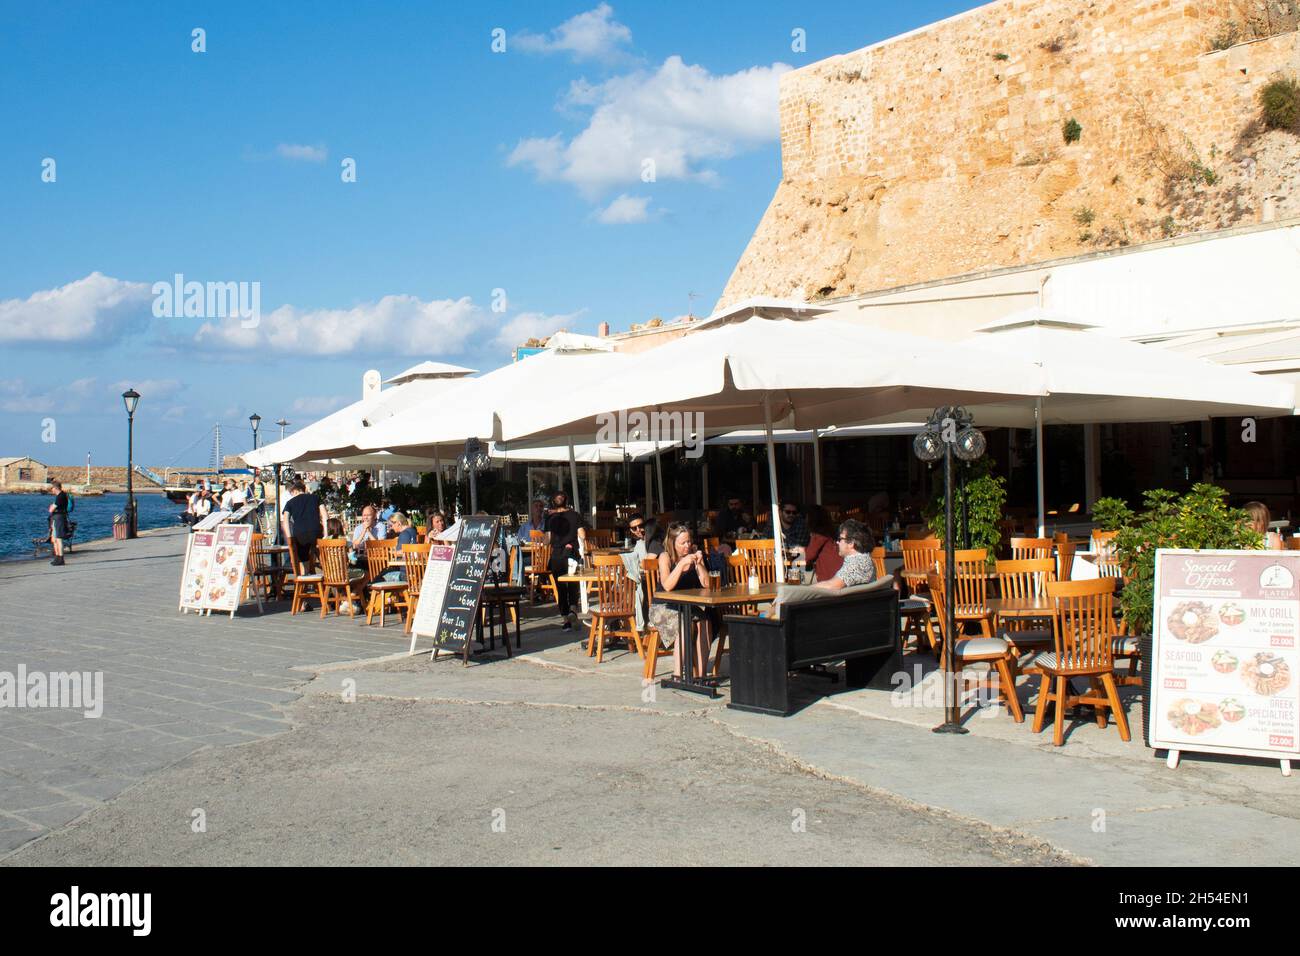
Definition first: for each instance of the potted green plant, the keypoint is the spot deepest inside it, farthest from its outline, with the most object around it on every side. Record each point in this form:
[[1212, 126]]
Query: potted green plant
[[978, 502], [1200, 519]]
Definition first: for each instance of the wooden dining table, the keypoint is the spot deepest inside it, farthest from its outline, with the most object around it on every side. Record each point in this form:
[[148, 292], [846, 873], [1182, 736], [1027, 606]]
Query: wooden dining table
[[686, 602]]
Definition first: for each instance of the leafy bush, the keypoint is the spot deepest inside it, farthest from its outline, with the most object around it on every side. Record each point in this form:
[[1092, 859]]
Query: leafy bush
[[1199, 519], [1111, 514], [985, 494], [1071, 130], [1280, 103], [1084, 216], [1228, 35]]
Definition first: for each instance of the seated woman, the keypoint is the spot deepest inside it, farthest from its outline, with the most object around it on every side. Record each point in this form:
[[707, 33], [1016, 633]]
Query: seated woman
[[1259, 519], [854, 542], [821, 553], [536, 521], [437, 524], [681, 568], [400, 526]]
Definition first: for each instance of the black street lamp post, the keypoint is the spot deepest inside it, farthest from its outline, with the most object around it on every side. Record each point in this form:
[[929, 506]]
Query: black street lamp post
[[949, 431], [254, 420], [130, 398]]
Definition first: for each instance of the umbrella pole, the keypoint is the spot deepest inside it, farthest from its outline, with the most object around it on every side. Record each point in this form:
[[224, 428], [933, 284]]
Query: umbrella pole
[[778, 555], [279, 532], [573, 477], [659, 477], [528, 477], [704, 477], [1038, 455], [817, 466], [437, 469]]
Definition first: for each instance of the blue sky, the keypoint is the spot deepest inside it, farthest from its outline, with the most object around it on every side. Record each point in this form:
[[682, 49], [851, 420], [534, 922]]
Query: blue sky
[[476, 171]]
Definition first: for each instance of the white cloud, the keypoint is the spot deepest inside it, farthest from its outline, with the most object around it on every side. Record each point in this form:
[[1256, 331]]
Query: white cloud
[[594, 35], [16, 397], [150, 389], [94, 310], [681, 117], [533, 325], [396, 324], [298, 152], [319, 404], [625, 209]]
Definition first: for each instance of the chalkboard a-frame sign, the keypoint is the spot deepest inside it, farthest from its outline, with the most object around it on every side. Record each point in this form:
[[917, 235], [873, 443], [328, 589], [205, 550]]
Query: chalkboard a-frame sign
[[469, 566]]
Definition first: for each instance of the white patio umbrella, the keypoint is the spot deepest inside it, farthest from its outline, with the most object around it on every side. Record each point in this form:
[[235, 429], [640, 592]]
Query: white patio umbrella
[[476, 410], [803, 374], [338, 435], [1093, 378]]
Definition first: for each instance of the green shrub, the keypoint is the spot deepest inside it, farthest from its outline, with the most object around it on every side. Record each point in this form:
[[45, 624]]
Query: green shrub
[[985, 495], [1280, 104], [1229, 35], [1111, 514], [1199, 519], [1071, 130], [1001, 56], [1084, 216]]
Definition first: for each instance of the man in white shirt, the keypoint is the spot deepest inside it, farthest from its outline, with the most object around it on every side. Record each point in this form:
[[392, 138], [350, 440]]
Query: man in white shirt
[[367, 529]]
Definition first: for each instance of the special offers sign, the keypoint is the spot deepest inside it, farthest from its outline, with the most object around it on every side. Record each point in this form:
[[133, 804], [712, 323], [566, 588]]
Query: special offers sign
[[1224, 669]]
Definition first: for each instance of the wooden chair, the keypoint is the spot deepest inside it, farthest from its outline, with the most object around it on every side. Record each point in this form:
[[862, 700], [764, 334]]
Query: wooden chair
[[1024, 549], [1065, 559], [600, 538], [759, 558], [338, 579], [379, 557], [538, 572], [264, 578], [878, 559], [306, 582], [1083, 629], [920, 556], [979, 650], [1024, 579], [417, 560], [971, 587], [652, 642], [616, 597]]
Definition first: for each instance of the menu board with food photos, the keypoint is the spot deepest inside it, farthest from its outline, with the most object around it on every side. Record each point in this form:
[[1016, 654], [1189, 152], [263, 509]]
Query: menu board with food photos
[[469, 567], [1225, 658], [228, 566], [194, 577]]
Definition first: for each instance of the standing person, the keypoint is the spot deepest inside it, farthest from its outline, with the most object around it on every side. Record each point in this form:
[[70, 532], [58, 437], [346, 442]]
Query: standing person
[[58, 522], [303, 519], [854, 542], [562, 531]]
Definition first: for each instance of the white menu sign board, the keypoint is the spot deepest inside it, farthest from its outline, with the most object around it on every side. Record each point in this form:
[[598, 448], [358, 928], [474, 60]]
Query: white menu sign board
[[433, 590], [1225, 659], [194, 575], [228, 567]]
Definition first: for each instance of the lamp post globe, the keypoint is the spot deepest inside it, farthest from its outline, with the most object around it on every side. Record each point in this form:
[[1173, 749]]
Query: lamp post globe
[[254, 420]]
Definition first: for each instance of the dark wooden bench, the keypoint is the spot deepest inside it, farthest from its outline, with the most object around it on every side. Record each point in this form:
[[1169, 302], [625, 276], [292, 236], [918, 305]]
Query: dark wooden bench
[[860, 627]]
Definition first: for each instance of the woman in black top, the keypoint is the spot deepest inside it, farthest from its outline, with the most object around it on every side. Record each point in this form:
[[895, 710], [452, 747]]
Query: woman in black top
[[562, 526], [681, 568], [58, 521]]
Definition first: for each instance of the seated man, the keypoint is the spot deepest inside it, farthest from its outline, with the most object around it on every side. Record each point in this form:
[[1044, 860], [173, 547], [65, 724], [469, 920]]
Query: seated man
[[794, 527], [855, 548]]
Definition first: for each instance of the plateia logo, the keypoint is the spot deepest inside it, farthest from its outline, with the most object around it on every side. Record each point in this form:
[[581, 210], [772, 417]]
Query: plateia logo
[[78, 690], [684, 428], [103, 909], [208, 300]]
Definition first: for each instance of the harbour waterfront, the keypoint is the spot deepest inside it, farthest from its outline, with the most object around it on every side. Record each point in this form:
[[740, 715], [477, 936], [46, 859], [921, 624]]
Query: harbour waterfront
[[23, 517]]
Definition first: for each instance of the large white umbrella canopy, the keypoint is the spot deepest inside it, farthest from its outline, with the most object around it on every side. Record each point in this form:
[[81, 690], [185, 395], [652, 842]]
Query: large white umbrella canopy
[[339, 435], [808, 373], [1093, 378], [811, 373]]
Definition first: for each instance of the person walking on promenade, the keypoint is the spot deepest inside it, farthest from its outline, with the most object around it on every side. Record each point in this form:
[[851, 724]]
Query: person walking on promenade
[[58, 522]]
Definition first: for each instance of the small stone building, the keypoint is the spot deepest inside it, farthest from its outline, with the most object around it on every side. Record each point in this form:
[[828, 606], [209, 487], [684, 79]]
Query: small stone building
[[22, 472]]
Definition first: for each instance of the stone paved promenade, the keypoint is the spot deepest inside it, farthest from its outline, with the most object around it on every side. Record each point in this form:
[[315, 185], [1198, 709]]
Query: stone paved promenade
[[589, 765], [173, 683]]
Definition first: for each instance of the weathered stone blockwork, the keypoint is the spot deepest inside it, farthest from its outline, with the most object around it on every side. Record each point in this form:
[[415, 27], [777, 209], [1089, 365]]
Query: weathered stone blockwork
[[941, 152]]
